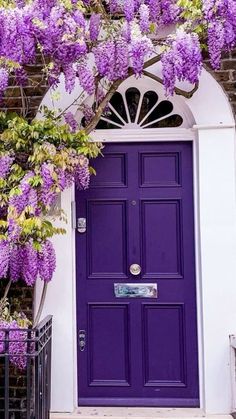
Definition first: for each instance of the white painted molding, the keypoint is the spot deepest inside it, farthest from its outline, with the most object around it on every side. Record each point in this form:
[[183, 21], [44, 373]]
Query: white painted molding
[[145, 135], [209, 127]]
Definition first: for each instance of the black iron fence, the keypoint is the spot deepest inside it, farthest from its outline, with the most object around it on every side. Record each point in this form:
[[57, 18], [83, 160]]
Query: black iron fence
[[25, 372]]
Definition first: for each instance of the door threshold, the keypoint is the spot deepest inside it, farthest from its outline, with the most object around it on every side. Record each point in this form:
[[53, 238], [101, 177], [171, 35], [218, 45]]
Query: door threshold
[[136, 413]]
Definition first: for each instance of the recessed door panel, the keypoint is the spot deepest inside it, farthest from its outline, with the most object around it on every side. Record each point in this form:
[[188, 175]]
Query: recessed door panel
[[108, 333], [107, 239], [161, 238], [164, 362], [160, 169], [116, 165]]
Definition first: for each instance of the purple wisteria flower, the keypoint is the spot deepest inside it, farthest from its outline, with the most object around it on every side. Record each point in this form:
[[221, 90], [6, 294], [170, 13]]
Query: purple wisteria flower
[[14, 230], [21, 76], [87, 112], [121, 58], [4, 258], [17, 343], [16, 263], [4, 77], [82, 174], [140, 50], [170, 11], [70, 75], [182, 61], [104, 55], [47, 195], [94, 26], [47, 261], [86, 78], [30, 264], [144, 16], [215, 43], [21, 200], [155, 10], [70, 120], [5, 165], [129, 9]]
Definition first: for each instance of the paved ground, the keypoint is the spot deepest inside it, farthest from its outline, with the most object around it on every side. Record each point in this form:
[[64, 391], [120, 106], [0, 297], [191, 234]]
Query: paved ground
[[135, 413]]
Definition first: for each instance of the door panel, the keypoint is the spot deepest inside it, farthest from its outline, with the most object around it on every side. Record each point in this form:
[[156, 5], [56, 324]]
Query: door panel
[[107, 240], [159, 169], [108, 333], [161, 238], [164, 364], [139, 209], [116, 165]]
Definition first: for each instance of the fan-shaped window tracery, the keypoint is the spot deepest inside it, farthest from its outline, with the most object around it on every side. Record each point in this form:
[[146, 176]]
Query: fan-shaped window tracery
[[134, 109]]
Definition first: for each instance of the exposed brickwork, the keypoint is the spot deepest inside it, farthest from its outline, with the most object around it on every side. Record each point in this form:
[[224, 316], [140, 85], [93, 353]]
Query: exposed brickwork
[[20, 297], [226, 76], [26, 100]]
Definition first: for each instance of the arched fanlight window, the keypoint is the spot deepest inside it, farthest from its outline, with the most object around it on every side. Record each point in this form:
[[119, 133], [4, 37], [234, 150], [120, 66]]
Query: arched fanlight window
[[143, 111], [141, 104]]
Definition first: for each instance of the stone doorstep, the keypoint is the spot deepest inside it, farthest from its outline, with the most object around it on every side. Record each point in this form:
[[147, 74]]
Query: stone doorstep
[[135, 413]]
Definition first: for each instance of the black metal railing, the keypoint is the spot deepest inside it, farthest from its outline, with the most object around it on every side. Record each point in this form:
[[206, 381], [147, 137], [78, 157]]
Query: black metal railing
[[25, 392]]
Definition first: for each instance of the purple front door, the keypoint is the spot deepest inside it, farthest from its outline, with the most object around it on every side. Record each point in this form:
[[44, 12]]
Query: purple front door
[[139, 210]]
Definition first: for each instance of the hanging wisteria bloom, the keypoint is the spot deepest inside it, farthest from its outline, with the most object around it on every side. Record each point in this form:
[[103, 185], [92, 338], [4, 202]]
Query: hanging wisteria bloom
[[86, 78], [94, 26], [129, 9], [46, 261], [19, 198], [182, 60], [17, 342], [4, 258], [5, 165], [140, 49], [30, 264], [82, 175], [4, 77], [144, 17], [70, 120], [16, 263]]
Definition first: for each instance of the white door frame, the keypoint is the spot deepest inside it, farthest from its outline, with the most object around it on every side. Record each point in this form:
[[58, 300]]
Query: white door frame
[[157, 135]]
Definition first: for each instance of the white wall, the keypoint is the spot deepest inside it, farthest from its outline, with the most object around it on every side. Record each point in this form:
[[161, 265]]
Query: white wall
[[216, 150], [60, 301], [215, 210]]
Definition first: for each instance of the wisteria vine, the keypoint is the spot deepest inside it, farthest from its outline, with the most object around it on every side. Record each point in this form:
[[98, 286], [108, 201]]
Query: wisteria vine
[[32, 174], [38, 161]]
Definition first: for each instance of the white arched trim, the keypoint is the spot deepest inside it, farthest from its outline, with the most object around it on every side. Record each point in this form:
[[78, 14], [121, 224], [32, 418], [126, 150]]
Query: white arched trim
[[213, 136]]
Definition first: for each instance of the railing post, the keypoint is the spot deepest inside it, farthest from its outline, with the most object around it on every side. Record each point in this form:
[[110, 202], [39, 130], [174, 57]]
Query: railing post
[[6, 378], [28, 375]]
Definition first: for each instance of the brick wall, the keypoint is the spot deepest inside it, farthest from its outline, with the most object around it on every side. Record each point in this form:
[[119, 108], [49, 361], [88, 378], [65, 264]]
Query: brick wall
[[226, 76], [26, 100]]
